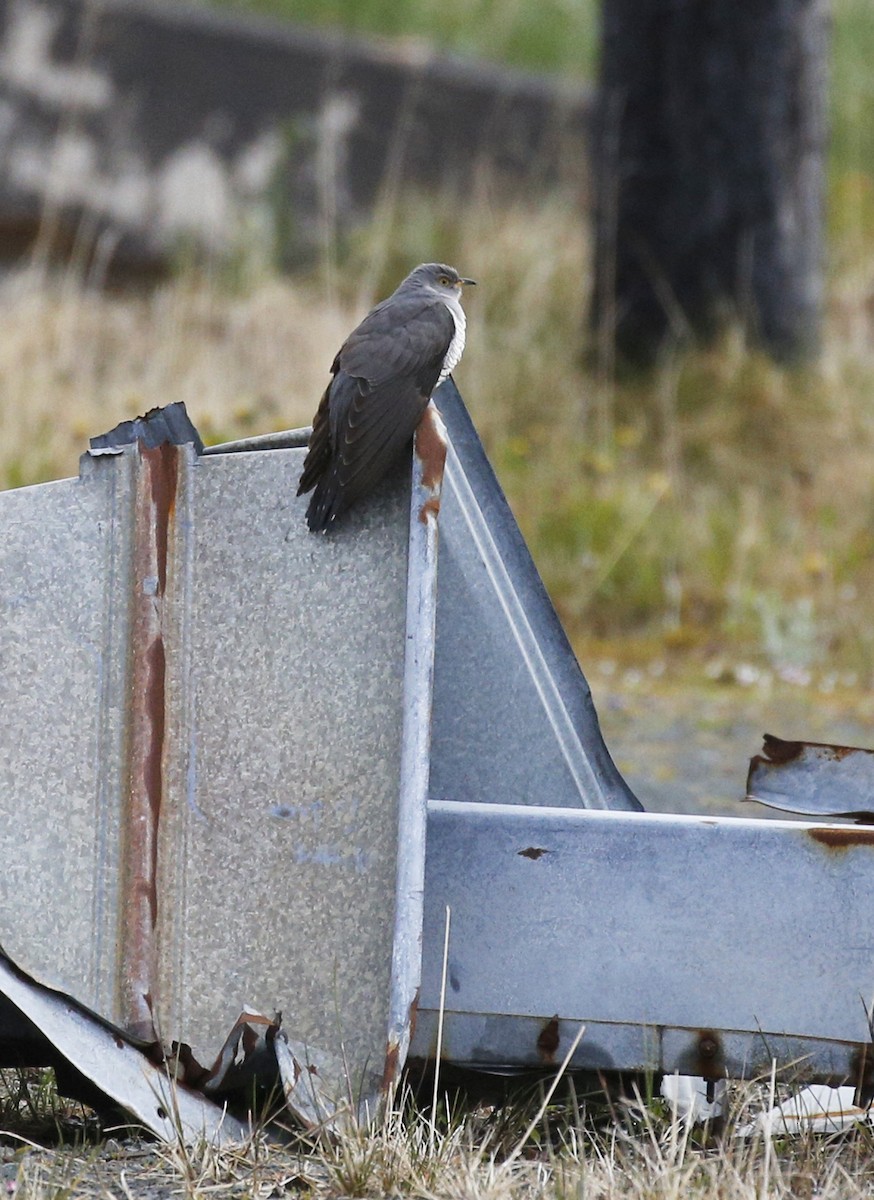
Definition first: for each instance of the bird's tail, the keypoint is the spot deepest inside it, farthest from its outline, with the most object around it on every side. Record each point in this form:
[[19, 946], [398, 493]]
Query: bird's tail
[[318, 457]]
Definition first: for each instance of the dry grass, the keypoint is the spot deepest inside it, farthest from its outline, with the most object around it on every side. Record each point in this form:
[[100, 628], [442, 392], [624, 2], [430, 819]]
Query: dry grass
[[633, 1149], [729, 503], [73, 362]]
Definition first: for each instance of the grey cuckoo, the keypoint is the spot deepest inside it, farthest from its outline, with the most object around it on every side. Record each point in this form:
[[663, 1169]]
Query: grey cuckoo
[[383, 377]]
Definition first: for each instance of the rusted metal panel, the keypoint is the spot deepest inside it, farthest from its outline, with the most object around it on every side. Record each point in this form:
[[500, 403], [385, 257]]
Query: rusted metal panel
[[698, 945], [227, 736], [279, 854], [814, 779], [221, 734], [157, 484]]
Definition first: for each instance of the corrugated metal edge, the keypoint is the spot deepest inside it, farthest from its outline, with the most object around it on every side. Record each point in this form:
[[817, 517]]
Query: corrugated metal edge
[[429, 457]]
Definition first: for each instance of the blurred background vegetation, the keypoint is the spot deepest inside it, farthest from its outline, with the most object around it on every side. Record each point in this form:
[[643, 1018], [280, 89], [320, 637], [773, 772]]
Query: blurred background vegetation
[[715, 515]]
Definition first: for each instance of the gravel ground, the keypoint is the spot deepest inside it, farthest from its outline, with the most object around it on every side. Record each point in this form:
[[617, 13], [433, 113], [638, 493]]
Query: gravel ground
[[684, 746]]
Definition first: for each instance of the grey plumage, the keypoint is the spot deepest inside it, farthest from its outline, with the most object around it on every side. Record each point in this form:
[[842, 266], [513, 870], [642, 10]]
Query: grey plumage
[[383, 377]]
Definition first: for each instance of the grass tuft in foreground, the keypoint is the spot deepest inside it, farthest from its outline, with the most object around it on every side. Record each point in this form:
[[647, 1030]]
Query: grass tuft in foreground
[[518, 1148]]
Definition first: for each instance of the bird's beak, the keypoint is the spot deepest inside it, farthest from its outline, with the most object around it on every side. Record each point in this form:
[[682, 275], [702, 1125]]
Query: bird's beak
[[469, 282]]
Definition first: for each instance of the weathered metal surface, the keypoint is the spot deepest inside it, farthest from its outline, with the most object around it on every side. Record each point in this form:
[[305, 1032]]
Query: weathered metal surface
[[513, 715], [64, 632], [226, 736], [118, 1069], [698, 945], [814, 779], [210, 717], [429, 456]]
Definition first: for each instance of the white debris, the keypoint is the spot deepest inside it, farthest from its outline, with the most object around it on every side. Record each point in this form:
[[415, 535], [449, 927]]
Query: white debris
[[687, 1096], [814, 1109]]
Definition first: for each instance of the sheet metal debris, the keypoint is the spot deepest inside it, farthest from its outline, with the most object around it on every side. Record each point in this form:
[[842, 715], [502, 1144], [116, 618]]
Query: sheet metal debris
[[513, 718], [814, 1109], [117, 1067], [814, 779], [225, 729], [226, 741], [685, 944]]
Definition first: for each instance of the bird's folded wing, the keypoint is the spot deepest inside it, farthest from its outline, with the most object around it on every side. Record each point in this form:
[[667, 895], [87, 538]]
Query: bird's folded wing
[[404, 337]]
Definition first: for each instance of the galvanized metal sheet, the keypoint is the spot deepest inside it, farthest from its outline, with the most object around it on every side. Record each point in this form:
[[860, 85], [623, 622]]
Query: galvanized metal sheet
[[814, 779], [118, 1069], [513, 714], [63, 636], [204, 740], [281, 860], [701, 945]]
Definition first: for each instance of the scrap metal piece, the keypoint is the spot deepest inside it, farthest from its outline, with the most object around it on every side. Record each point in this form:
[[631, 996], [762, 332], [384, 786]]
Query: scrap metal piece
[[308, 1077], [214, 700], [117, 1067], [429, 458], [688, 944], [246, 1056], [170, 425], [814, 778], [513, 714]]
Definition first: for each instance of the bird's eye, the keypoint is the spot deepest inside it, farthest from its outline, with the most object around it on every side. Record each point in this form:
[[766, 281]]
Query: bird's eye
[[444, 281]]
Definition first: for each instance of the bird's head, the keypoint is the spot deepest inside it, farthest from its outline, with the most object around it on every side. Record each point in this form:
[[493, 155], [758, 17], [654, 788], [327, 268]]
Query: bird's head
[[439, 278]]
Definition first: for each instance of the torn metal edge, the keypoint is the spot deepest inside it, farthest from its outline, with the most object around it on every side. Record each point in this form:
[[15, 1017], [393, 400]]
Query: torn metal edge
[[813, 779], [120, 1069]]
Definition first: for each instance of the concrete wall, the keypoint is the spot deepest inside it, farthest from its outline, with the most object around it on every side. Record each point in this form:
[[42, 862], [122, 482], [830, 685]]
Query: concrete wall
[[137, 126]]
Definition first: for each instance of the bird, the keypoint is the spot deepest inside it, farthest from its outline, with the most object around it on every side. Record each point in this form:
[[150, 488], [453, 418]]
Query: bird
[[382, 379]]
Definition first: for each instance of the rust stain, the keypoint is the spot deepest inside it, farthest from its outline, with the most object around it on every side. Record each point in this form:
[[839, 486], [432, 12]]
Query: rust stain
[[548, 1040], [162, 467], [430, 448], [393, 1050], [392, 1062], [431, 508], [777, 752], [532, 852], [709, 1056], [414, 1014], [155, 505], [841, 837], [156, 669]]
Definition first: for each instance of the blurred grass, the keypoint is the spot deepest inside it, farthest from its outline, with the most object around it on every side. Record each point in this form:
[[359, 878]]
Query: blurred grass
[[550, 35], [730, 509], [721, 504]]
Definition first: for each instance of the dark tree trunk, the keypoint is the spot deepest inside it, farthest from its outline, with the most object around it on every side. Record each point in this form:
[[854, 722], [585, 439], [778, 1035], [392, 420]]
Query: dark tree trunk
[[709, 168]]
